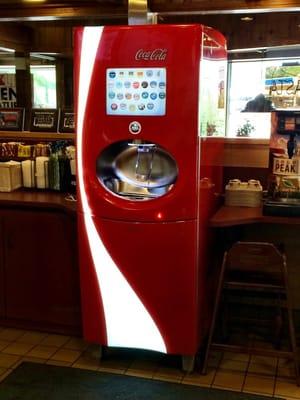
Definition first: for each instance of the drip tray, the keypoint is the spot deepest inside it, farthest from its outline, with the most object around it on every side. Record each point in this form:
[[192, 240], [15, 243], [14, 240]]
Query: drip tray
[[135, 196], [282, 208]]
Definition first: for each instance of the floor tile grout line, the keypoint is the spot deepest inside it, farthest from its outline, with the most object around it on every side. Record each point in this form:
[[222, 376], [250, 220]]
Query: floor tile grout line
[[18, 339], [246, 373], [14, 365], [22, 331], [275, 377], [5, 374], [155, 370], [217, 369], [15, 354], [5, 348], [58, 347], [80, 355], [19, 355]]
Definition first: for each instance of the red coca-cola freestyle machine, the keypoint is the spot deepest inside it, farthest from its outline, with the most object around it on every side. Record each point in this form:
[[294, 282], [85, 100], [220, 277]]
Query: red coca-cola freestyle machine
[[147, 181]]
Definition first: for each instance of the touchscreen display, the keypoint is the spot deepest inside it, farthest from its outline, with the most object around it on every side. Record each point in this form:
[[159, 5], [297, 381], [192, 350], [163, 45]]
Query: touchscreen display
[[136, 91]]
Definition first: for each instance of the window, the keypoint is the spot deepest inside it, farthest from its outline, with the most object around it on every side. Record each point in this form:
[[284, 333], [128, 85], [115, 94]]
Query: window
[[256, 88], [212, 112], [8, 97], [7, 69], [44, 86]]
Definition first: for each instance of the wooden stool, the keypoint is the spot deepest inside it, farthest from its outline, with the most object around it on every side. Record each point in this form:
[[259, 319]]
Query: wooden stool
[[257, 268]]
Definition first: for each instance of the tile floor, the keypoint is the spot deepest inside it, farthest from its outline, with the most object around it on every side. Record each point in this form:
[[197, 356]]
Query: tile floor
[[238, 372]]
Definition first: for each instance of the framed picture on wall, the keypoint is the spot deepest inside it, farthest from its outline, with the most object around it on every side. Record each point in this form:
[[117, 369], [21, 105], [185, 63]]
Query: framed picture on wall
[[44, 120], [12, 119], [66, 121]]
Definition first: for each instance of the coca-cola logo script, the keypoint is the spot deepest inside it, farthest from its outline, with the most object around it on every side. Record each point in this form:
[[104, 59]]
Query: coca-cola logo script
[[153, 55]]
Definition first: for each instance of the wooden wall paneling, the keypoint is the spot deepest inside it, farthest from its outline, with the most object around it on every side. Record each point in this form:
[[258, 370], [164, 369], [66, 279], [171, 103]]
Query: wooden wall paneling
[[41, 269], [2, 276], [21, 11], [68, 83], [245, 174], [219, 5], [246, 152], [33, 137], [15, 37], [64, 83], [17, 9], [275, 29], [24, 87], [246, 159], [61, 3], [52, 38], [60, 84], [265, 30]]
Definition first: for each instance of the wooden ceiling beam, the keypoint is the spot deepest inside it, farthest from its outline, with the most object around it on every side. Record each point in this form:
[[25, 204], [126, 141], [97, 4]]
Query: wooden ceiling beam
[[263, 30], [15, 37], [64, 11], [221, 6], [17, 10]]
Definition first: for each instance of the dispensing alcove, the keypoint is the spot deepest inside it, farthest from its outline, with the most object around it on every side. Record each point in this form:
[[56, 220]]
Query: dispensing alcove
[[136, 169]]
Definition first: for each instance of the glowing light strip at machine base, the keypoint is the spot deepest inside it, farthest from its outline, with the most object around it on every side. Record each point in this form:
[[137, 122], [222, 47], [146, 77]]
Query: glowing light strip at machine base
[[128, 323]]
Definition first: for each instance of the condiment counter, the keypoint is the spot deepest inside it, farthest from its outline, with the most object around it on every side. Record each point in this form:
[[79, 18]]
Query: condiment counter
[[39, 275], [38, 199]]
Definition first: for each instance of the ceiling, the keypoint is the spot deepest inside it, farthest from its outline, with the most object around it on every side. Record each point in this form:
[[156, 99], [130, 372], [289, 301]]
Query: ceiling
[[71, 9], [30, 25]]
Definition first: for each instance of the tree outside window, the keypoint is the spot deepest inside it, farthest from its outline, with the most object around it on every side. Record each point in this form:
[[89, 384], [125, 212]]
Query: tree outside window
[[257, 87], [44, 86]]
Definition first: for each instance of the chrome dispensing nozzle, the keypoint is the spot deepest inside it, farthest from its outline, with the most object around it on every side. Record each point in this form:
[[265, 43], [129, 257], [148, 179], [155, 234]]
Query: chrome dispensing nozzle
[[144, 161]]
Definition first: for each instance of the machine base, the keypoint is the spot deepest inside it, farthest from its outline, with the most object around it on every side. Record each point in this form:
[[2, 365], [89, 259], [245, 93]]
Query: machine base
[[282, 208], [188, 363]]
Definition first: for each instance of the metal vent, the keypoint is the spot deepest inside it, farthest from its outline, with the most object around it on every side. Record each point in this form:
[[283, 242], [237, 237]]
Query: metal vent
[[138, 13]]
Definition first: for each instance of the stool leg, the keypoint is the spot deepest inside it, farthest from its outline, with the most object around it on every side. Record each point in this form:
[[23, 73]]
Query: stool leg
[[278, 329], [293, 339], [224, 321], [214, 316]]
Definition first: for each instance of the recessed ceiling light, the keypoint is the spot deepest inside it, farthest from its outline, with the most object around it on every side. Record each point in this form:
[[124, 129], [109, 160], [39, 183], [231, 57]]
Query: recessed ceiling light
[[7, 50], [247, 19], [34, 1]]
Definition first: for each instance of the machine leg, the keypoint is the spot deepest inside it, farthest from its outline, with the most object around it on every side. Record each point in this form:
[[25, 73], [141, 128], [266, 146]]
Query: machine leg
[[188, 363], [97, 352]]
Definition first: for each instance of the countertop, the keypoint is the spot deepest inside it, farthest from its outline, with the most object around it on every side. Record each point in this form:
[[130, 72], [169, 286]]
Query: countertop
[[37, 199], [229, 216]]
